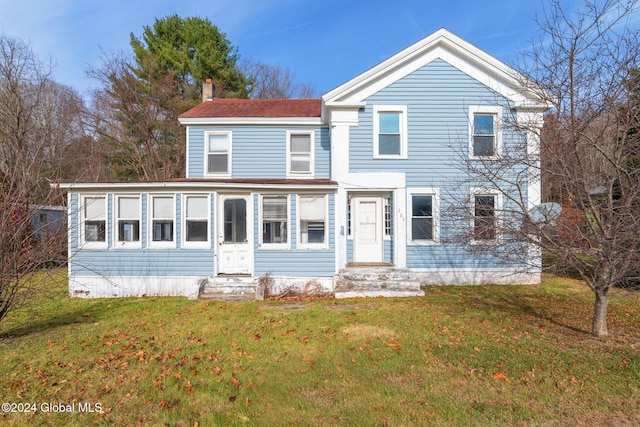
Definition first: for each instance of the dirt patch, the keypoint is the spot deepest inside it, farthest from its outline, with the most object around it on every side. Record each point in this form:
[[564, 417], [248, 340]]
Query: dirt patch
[[288, 306], [367, 332], [350, 307]]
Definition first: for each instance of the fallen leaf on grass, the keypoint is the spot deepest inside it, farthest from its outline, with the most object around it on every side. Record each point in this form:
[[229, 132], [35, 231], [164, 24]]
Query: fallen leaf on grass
[[501, 376]]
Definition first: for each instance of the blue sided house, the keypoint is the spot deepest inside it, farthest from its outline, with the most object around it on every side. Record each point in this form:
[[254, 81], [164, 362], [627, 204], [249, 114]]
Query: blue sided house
[[349, 194]]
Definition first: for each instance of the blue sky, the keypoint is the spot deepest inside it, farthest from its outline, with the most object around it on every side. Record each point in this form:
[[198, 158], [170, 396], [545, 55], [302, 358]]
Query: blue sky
[[323, 42]]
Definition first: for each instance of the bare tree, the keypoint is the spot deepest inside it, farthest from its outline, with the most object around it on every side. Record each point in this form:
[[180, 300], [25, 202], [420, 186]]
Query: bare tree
[[583, 66], [274, 82], [37, 116]]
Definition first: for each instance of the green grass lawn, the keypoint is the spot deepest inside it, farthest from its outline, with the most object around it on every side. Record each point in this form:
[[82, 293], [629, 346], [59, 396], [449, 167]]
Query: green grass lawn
[[491, 355]]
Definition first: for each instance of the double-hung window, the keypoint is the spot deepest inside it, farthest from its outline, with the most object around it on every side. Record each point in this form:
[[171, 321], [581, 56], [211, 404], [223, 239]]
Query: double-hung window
[[162, 220], [424, 220], [485, 210], [484, 131], [196, 223], [312, 221], [390, 131], [128, 220], [218, 153], [94, 220], [300, 153], [275, 220]]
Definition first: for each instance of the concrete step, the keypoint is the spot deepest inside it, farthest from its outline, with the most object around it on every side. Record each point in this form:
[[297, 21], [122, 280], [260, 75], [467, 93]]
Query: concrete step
[[377, 282], [230, 288]]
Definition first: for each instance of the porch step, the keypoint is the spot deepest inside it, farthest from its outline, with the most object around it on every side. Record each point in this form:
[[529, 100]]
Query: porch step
[[230, 288], [377, 282]]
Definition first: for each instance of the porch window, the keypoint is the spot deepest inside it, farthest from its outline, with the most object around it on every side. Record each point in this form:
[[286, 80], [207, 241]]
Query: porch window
[[196, 218], [275, 220], [128, 220], [218, 153], [94, 214], [312, 221], [162, 219], [300, 153]]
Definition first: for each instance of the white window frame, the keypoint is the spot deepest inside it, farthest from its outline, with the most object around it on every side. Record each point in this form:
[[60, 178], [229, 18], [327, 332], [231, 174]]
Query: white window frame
[[82, 242], [496, 112], [312, 144], [150, 218], [195, 244], [498, 215], [264, 245], [402, 110], [325, 243], [117, 243], [435, 201], [229, 135]]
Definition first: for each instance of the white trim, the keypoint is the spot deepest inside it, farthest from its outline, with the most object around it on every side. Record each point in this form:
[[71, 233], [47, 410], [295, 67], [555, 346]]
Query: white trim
[[479, 191], [160, 244], [496, 112], [229, 135], [269, 246], [435, 194], [271, 121], [447, 46], [82, 243], [117, 244], [402, 110], [187, 148], [189, 186], [183, 205], [312, 150], [312, 246]]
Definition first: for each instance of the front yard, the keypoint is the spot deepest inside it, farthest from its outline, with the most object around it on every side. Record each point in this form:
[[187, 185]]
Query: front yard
[[492, 355]]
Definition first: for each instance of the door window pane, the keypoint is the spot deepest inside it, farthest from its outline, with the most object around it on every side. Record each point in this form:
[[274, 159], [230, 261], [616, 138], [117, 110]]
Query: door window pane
[[235, 221]]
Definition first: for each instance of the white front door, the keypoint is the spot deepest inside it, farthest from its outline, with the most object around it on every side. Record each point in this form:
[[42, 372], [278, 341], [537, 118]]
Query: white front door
[[234, 234], [368, 233]]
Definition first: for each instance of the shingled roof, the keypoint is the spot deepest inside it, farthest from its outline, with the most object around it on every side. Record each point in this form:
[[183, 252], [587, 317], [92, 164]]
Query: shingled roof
[[231, 107]]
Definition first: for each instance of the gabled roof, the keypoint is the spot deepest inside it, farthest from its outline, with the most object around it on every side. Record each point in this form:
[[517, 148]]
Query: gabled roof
[[452, 49], [221, 109]]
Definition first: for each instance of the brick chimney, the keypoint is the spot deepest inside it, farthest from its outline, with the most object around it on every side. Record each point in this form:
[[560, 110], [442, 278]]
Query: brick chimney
[[207, 90]]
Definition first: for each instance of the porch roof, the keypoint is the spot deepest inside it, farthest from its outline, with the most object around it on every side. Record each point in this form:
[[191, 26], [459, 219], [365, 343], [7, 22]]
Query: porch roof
[[205, 184]]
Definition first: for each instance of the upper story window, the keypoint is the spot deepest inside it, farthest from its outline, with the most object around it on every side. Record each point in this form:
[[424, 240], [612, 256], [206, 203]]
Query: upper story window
[[312, 222], [93, 221], [128, 220], [300, 153], [484, 131], [275, 220], [218, 153], [196, 214], [162, 220], [390, 131]]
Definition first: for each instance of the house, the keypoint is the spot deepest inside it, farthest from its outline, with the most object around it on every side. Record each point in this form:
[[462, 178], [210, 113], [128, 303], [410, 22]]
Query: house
[[349, 192]]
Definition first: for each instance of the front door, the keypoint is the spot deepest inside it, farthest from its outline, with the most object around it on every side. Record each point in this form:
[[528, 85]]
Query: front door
[[368, 233], [234, 235]]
